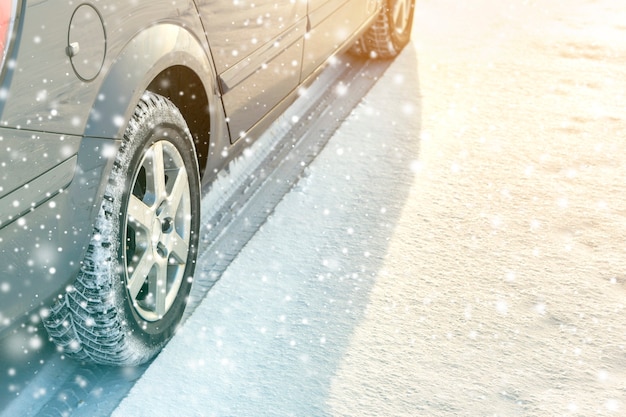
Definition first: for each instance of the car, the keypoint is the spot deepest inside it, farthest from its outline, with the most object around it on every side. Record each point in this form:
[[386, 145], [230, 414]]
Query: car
[[114, 116]]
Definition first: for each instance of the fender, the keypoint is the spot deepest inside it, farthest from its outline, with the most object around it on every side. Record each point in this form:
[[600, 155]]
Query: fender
[[150, 52], [127, 77]]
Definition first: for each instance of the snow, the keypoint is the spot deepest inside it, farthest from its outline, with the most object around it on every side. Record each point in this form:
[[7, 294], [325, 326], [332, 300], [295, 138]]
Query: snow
[[456, 249], [287, 304]]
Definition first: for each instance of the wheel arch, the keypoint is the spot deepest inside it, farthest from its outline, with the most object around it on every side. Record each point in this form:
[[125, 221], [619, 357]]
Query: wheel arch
[[169, 60], [183, 87]]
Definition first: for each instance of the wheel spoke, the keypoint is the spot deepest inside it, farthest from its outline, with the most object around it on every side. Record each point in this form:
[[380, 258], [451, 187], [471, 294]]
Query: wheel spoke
[[139, 214], [179, 190], [400, 15], [138, 276], [177, 247], [155, 172], [160, 290]]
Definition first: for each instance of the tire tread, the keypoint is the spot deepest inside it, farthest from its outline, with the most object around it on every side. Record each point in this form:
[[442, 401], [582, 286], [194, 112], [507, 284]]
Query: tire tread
[[84, 321], [378, 41]]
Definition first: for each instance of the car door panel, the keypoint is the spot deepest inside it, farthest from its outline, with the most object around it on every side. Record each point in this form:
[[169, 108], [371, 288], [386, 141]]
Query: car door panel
[[42, 154], [331, 23], [252, 87], [257, 52]]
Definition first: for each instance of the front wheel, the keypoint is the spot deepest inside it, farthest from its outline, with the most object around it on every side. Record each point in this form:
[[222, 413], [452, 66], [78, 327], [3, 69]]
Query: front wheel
[[391, 31], [131, 292]]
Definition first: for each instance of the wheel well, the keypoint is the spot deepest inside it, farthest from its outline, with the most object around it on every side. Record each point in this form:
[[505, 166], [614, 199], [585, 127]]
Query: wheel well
[[184, 88]]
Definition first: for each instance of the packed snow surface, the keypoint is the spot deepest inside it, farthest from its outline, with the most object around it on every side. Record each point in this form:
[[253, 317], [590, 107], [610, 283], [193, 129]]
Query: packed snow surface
[[270, 334], [456, 249]]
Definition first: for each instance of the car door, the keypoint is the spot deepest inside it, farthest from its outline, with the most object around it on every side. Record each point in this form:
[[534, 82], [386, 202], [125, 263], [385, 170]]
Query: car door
[[331, 24], [257, 48]]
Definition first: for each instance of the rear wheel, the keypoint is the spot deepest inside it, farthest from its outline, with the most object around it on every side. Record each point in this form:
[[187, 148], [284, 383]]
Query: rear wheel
[[391, 31], [131, 292]]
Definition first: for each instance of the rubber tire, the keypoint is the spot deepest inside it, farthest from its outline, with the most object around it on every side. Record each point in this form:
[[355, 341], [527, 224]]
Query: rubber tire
[[95, 320], [382, 40]]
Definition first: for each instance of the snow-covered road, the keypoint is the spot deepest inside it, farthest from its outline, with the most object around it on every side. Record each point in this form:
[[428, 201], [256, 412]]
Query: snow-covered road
[[41, 383], [457, 249], [272, 332]]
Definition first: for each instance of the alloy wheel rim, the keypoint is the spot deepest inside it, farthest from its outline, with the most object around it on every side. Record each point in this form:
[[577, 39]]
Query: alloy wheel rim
[[157, 231], [400, 13]]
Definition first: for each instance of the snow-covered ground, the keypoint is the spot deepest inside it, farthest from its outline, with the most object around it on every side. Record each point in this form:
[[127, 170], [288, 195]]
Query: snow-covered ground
[[456, 249], [270, 335]]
